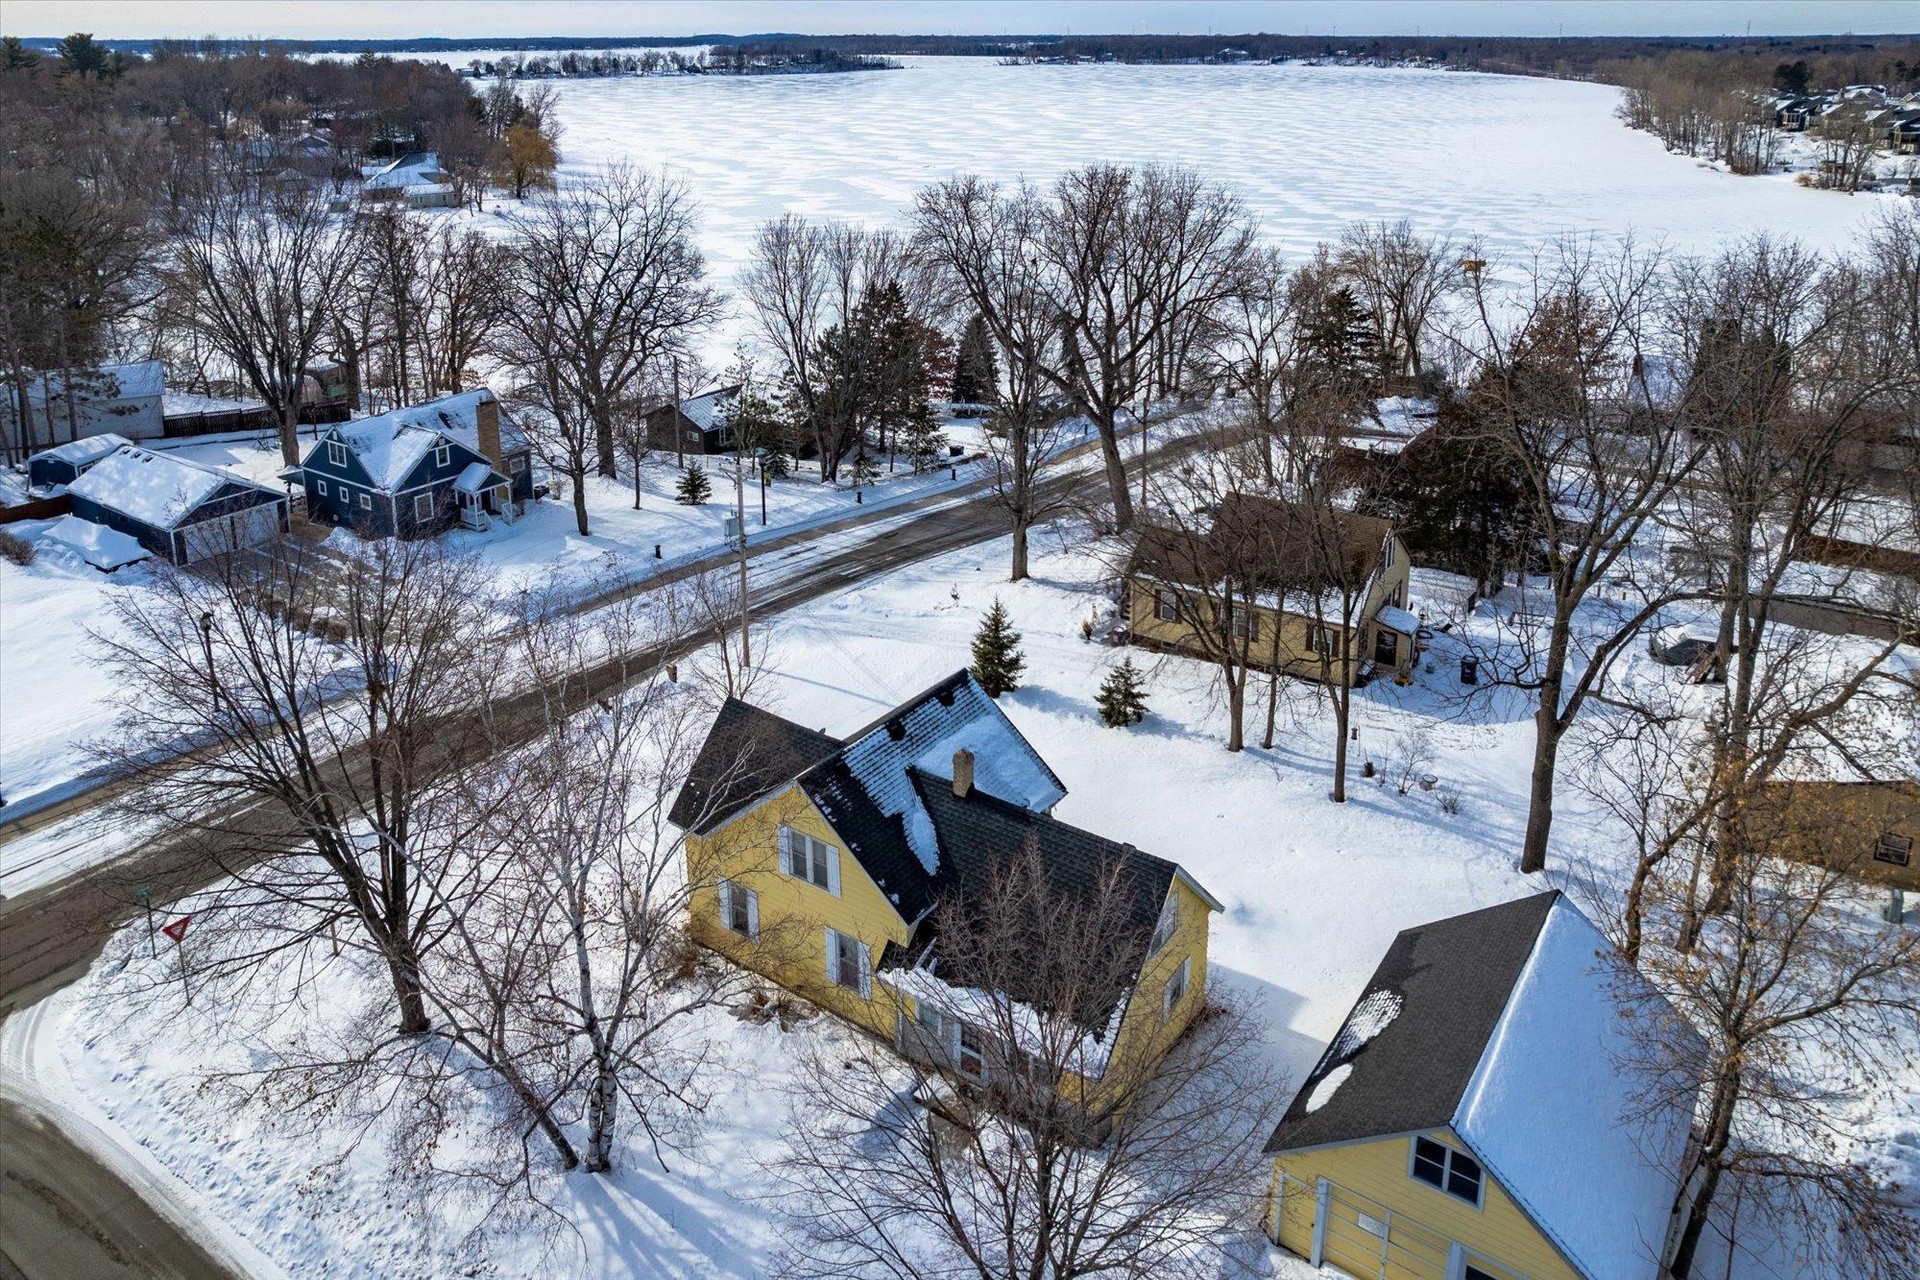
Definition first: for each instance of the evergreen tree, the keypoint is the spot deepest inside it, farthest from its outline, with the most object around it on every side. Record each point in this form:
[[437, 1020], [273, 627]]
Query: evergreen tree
[[976, 369], [864, 469], [694, 488], [997, 660], [925, 443], [1122, 697]]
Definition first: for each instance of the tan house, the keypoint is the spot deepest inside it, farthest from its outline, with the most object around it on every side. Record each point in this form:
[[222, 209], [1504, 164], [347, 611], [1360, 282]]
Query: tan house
[[1870, 829], [821, 863], [1320, 594], [1483, 1113]]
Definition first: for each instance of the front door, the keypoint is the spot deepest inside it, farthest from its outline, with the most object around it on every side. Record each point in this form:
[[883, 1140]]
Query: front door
[[1386, 648]]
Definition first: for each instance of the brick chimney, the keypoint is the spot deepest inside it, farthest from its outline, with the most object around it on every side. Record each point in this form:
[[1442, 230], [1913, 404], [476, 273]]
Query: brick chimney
[[486, 418], [962, 773]]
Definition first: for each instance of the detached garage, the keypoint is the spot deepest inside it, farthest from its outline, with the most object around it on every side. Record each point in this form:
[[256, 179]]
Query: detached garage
[[177, 509]]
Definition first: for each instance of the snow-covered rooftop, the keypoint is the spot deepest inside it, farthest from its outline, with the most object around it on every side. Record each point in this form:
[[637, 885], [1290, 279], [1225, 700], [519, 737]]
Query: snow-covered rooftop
[[79, 453], [390, 445], [1563, 1074], [153, 488], [709, 409]]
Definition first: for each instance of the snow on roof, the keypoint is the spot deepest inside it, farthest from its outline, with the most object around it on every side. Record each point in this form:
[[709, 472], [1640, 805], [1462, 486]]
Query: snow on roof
[[78, 453], [924, 735], [709, 409], [476, 476], [1398, 619], [154, 488], [99, 546], [1561, 1074], [1086, 1057], [416, 168], [390, 445], [105, 382], [178, 404]]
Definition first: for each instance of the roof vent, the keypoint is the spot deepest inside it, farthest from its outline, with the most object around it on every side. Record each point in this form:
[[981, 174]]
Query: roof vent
[[896, 729]]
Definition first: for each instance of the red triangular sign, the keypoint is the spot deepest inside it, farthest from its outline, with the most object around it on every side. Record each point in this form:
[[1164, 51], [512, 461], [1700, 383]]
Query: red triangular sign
[[178, 929]]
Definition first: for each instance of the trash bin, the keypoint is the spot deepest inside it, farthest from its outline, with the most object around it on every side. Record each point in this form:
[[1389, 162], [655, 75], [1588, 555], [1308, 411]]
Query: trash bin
[[1469, 670]]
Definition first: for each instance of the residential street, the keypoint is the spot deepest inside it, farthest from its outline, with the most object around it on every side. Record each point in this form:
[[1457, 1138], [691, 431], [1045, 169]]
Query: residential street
[[66, 1211]]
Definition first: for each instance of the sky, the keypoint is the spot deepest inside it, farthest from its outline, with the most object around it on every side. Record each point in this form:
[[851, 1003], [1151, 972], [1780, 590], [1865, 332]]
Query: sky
[[384, 19]]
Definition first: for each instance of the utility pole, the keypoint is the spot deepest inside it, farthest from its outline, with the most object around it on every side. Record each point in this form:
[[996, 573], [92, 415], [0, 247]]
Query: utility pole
[[679, 436], [740, 523]]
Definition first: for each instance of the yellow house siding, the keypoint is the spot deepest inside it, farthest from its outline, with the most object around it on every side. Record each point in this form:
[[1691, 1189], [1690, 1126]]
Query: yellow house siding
[[1295, 655], [1375, 1176], [794, 913]]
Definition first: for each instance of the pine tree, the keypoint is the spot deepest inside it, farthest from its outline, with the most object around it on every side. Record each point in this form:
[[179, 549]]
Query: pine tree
[[1122, 697], [864, 469], [694, 488], [923, 439], [997, 660], [976, 369]]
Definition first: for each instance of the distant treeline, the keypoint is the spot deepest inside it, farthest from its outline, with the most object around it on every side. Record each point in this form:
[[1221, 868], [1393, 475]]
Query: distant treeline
[[740, 59], [1893, 60]]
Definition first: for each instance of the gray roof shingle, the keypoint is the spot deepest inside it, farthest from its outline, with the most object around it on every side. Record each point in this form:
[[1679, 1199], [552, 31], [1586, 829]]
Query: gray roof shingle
[[748, 753], [1419, 1029]]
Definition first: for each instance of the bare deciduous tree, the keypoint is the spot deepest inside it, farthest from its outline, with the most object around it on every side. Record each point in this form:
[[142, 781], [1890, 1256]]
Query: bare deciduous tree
[[1402, 278], [899, 1170]]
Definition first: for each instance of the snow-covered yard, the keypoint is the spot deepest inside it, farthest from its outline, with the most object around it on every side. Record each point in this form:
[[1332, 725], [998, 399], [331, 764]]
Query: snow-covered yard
[[1314, 893]]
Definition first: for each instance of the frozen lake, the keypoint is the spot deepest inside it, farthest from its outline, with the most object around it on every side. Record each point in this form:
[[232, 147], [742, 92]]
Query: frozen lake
[[1511, 160]]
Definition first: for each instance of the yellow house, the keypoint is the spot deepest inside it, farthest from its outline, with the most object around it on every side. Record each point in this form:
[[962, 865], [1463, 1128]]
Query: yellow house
[[1320, 594], [823, 864], [1482, 1113]]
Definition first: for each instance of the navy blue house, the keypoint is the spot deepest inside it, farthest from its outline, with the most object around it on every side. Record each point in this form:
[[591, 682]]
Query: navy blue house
[[174, 508], [417, 471]]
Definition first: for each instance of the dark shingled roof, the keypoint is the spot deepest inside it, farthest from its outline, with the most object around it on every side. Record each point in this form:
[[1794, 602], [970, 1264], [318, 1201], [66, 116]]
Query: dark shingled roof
[[1452, 980], [979, 833], [748, 753], [1268, 543]]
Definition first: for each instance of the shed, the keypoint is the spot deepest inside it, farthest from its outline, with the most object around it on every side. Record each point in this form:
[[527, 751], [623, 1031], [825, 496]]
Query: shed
[[65, 463], [174, 508]]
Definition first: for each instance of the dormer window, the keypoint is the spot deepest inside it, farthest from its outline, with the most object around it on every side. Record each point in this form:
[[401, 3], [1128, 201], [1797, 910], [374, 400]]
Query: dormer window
[[442, 455], [336, 453]]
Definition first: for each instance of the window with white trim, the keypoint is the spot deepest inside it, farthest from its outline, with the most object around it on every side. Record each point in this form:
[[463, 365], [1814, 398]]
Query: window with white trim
[[423, 506], [849, 963], [970, 1052], [740, 909], [1166, 606], [1163, 928], [1244, 626], [815, 861], [336, 453], [366, 501], [517, 464], [1445, 1169], [1324, 641], [1176, 987], [320, 487], [1893, 848], [442, 455]]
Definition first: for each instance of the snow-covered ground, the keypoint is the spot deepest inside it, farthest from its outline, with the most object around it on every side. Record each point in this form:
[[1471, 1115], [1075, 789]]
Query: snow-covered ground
[[1314, 893]]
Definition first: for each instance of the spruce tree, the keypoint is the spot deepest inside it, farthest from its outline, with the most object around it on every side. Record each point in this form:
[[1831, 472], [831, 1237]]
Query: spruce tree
[[694, 488], [976, 368], [997, 660], [1122, 698]]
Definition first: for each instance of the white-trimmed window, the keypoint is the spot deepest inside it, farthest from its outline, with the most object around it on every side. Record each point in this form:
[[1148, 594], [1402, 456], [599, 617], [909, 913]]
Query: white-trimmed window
[[320, 487], [1445, 1169], [970, 1052], [1244, 626], [815, 861], [516, 464], [1166, 606], [740, 909], [1164, 927], [366, 501], [1324, 641], [1176, 987], [849, 963], [1895, 849], [423, 506], [336, 453], [442, 455]]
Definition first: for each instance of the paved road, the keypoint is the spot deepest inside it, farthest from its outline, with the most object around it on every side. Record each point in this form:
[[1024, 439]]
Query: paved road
[[64, 1213]]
